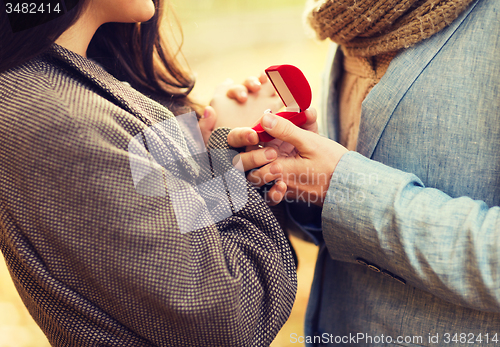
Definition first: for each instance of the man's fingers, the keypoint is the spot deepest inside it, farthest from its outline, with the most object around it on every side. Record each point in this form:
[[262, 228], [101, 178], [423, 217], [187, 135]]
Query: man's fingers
[[242, 137], [311, 123]]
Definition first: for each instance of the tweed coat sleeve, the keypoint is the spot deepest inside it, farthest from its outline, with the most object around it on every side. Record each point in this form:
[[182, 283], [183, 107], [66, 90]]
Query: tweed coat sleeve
[[100, 263]]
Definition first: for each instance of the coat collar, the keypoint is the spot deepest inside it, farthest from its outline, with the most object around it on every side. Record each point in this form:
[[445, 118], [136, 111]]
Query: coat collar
[[116, 91], [381, 102]]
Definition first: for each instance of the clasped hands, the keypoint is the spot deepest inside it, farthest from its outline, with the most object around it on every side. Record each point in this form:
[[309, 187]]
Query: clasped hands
[[238, 105]]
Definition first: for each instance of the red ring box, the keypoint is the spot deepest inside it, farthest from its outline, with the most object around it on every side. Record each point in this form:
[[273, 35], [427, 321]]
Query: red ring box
[[295, 92]]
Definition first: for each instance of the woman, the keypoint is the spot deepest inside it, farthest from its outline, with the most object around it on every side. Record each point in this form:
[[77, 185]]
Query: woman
[[99, 258], [409, 227]]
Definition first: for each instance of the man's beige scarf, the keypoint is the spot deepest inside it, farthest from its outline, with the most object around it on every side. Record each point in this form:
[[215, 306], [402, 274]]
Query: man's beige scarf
[[367, 28]]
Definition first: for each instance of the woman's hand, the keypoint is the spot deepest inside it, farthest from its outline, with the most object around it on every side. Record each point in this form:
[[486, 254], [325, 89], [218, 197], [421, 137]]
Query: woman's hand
[[242, 105], [303, 170], [252, 84]]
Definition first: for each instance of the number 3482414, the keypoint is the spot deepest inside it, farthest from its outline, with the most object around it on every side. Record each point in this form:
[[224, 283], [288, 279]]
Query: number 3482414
[[32, 8]]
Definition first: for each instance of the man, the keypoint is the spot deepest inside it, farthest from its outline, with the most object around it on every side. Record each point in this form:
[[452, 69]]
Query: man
[[410, 224]]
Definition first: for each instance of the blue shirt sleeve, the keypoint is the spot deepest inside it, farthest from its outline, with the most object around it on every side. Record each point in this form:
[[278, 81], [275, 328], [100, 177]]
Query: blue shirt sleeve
[[446, 246]]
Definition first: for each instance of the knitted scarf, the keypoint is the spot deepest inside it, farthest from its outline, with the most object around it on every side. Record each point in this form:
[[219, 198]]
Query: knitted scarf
[[367, 28]]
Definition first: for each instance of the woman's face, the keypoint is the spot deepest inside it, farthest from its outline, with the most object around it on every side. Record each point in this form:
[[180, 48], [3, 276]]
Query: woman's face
[[122, 11]]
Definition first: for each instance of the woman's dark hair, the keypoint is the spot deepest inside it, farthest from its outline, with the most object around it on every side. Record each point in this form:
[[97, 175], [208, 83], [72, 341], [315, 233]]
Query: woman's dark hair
[[134, 52], [18, 46]]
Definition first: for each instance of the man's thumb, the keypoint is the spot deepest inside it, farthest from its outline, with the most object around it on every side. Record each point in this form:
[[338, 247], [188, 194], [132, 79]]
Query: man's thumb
[[284, 130]]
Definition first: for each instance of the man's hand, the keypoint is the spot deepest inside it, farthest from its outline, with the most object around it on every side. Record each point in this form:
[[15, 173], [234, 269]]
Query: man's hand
[[305, 160]]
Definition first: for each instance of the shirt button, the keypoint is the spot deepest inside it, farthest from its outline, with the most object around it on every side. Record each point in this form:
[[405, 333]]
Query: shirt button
[[374, 268], [387, 273], [362, 261], [399, 279]]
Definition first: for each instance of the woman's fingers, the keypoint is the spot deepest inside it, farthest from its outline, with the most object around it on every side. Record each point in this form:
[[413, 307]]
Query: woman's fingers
[[242, 137], [207, 123], [276, 194], [265, 174], [238, 92], [253, 84], [255, 159], [263, 77]]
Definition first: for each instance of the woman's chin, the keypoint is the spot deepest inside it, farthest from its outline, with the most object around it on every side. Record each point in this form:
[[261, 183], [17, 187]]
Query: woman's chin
[[143, 17], [146, 13]]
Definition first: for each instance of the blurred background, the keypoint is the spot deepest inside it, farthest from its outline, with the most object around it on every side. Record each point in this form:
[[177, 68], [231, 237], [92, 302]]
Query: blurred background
[[222, 39]]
